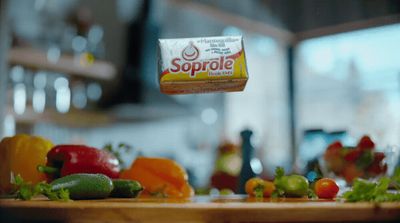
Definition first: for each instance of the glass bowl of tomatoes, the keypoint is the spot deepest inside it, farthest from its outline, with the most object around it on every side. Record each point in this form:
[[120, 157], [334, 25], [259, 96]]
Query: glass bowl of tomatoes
[[361, 161]]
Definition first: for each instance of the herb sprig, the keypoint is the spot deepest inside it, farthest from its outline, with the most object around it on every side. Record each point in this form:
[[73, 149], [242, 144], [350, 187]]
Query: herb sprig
[[364, 190], [27, 190], [119, 151], [279, 191]]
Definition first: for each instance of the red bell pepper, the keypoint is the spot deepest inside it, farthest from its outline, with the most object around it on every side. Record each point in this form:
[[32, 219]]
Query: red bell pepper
[[63, 160]]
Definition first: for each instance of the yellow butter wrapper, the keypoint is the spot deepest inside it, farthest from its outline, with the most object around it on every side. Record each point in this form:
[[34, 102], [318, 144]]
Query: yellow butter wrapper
[[202, 65]]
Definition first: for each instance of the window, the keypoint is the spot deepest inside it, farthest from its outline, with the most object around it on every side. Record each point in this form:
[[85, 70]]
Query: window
[[351, 82]]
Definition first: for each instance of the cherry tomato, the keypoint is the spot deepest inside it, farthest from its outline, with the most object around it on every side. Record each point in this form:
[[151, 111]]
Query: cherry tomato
[[379, 156], [255, 187], [353, 155], [366, 143], [335, 146], [351, 171], [326, 188]]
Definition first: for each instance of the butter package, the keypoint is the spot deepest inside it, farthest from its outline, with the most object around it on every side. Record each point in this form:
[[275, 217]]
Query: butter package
[[201, 65]]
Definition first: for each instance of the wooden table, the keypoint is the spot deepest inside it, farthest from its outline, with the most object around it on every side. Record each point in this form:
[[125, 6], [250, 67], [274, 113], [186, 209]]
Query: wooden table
[[233, 209]]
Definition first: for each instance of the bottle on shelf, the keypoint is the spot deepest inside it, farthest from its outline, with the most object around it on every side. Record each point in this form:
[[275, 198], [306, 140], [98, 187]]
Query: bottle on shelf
[[247, 170]]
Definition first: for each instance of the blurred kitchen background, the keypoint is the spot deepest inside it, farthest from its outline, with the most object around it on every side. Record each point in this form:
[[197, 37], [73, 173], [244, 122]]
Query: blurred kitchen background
[[85, 72]]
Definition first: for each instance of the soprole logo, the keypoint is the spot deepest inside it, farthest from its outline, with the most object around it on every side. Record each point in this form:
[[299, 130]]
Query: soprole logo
[[188, 65]]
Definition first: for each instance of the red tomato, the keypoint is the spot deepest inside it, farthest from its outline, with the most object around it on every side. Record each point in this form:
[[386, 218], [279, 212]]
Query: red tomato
[[378, 157], [366, 143], [335, 146], [377, 169], [351, 171], [353, 155], [333, 150], [326, 188]]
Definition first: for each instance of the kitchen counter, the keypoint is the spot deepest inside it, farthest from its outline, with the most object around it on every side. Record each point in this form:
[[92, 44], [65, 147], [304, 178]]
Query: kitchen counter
[[227, 209]]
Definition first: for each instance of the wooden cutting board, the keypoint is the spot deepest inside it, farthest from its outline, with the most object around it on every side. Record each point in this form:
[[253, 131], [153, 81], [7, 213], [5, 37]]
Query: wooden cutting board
[[229, 209]]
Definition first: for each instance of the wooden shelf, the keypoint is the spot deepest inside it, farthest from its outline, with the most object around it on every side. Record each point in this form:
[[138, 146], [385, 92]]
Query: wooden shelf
[[347, 27], [37, 60], [74, 118], [83, 118], [246, 23], [281, 34]]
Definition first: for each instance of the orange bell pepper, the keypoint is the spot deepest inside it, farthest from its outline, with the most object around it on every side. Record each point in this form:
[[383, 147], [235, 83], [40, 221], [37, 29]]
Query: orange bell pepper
[[160, 176], [20, 155]]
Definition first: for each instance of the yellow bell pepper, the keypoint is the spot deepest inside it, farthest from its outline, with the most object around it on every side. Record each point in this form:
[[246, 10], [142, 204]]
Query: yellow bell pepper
[[21, 154]]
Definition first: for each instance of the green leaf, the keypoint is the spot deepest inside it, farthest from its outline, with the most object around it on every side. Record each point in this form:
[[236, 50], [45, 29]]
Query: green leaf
[[279, 172], [259, 191], [18, 180], [279, 187], [63, 195], [383, 185], [26, 191], [59, 195], [365, 160], [311, 194], [396, 177], [364, 190], [118, 151], [278, 193]]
